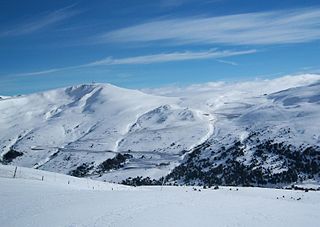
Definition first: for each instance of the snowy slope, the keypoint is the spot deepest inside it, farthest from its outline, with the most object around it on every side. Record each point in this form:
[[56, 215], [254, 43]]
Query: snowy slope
[[26, 202], [263, 127], [59, 130], [56, 179], [3, 97], [266, 138]]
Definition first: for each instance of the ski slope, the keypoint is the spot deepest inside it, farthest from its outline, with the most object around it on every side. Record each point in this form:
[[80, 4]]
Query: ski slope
[[27, 202]]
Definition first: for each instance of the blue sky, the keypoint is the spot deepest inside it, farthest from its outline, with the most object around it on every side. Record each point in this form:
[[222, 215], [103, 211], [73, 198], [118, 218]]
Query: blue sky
[[142, 43]]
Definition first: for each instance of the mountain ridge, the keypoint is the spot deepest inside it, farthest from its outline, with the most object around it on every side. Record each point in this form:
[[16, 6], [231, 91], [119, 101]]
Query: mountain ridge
[[115, 134]]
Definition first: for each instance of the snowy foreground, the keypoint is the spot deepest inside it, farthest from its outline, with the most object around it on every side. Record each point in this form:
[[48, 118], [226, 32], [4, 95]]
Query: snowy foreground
[[28, 202]]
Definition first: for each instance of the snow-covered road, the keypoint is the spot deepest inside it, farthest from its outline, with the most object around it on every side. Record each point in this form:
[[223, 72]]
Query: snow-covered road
[[26, 202]]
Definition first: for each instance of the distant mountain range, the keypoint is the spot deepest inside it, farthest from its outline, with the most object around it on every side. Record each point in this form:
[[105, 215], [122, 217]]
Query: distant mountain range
[[260, 133]]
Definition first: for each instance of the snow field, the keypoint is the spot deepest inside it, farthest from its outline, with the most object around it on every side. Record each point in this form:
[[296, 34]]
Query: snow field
[[25, 202]]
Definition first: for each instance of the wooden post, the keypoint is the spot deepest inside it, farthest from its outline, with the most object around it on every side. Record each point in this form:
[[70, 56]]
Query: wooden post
[[15, 172]]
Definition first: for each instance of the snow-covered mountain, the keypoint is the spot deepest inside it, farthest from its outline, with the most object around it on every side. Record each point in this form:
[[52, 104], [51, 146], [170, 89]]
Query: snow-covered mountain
[[265, 132]]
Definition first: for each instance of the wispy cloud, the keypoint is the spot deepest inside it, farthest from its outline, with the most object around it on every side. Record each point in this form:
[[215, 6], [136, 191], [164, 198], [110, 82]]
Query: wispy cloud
[[275, 27], [227, 62], [149, 59], [170, 57], [36, 73], [42, 21], [173, 3]]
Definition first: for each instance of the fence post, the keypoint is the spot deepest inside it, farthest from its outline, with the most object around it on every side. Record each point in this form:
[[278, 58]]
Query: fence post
[[163, 182], [15, 172]]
